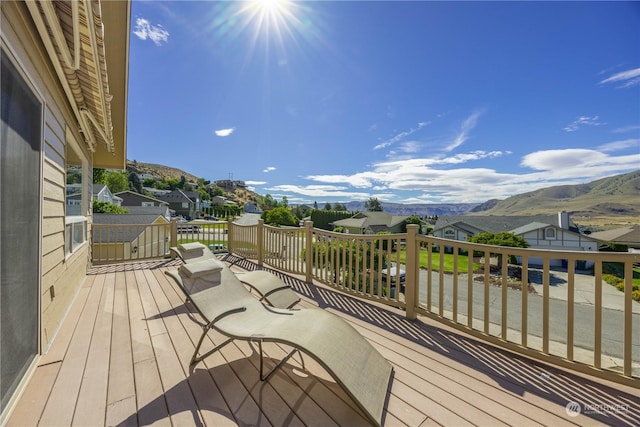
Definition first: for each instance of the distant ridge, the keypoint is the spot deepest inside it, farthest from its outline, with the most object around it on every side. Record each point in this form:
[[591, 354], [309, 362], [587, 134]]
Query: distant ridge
[[420, 209], [615, 199], [614, 196]]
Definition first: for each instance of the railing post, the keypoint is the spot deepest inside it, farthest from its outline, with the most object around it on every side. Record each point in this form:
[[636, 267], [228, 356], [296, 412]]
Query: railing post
[[174, 236], [260, 242], [229, 235], [411, 285], [308, 225]]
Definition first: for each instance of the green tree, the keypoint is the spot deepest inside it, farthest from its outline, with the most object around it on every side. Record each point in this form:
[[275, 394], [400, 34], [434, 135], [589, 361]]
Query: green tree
[[499, 239], [327, 206], [117, 181], [339, 207], [134, 183], [279, 216], [99, 176], [285, 202], [216, 191], [148, 182], [413, 219], [106, 207], [373, 205], [74, 177]]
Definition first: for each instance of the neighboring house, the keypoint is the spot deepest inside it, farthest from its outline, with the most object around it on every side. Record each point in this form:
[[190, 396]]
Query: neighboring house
[[162, 210], [101, 193], [230, 185], [628, 236], [550, 232], [155, 192], [143, 176], [131, 198], [64, 76], [221, 201], [137, 238], [185, 203], [252, 208], [372, 223]]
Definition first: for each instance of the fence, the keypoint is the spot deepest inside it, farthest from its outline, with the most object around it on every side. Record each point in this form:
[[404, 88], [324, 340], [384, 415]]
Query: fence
[[548, 304]]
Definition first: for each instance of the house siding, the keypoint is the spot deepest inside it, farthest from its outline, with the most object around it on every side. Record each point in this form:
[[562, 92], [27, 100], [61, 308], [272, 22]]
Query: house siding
[[21, 40]]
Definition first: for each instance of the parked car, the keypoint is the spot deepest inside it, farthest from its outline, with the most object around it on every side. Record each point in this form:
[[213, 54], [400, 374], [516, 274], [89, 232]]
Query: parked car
[[185, 226], [395, 273]]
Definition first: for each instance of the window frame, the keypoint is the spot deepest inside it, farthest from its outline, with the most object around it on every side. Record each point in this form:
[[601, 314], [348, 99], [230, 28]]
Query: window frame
[[75, 226]]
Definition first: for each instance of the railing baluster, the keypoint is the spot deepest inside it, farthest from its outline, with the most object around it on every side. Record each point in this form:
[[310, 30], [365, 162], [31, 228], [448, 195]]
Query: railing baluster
[[597, 333]]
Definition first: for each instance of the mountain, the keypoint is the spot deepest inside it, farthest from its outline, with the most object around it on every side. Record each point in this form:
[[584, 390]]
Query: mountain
[[615, 199], [420, 209], [240, 195], [615, 196], [160, 171]]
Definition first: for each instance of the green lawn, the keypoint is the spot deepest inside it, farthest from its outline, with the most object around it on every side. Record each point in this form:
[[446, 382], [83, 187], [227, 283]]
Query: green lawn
[[463, 261]]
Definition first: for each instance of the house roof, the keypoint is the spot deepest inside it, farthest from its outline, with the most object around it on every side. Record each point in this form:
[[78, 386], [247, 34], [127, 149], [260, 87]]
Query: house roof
[[97, 188], [372, 220], [140, 196], [176, 196], [147, 210], [497, 224], [89, 48], [127, 219], [625, 235], [137, 223]]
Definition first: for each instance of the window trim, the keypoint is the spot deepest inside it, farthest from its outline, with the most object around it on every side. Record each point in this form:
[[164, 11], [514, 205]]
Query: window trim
[[73, 223]]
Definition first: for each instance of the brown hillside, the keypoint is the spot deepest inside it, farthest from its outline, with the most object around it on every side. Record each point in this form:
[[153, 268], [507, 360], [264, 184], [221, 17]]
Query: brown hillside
[[165, 172], [606, 202]]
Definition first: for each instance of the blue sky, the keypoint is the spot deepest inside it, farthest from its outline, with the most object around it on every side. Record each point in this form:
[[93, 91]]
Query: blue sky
[[409, 102]]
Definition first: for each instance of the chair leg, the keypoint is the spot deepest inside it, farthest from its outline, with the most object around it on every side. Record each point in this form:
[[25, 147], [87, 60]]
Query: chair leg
[[195, 358], [264, 377]]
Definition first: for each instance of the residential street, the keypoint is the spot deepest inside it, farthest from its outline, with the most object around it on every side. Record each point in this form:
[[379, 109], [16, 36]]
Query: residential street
[[612, 315]]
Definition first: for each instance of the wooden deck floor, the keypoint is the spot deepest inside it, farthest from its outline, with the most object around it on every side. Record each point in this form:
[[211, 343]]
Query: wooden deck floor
[[122, 358]]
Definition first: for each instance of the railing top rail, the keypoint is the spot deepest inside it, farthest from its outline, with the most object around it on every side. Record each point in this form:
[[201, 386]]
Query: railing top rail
[[562, 252]]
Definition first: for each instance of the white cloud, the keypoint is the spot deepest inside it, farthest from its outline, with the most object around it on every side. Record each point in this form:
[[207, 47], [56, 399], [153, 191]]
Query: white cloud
[[626, 129], [156, 33], [400, 136], [224, 132], [620, 145], [321, 191], [628, 78], [269, 169], [254, 183], [582, 120], [437, 183], [469, 123]]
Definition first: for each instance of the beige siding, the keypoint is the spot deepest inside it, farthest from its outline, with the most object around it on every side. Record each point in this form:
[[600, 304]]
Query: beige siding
[[65, 275]]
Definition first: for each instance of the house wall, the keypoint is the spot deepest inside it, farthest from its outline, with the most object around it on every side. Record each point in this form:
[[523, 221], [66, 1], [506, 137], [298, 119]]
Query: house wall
[[453, 233], [564, 239], [64, 274]]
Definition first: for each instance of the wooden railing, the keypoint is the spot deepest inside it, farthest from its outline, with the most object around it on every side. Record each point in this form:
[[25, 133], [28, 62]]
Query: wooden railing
[[551, 305]]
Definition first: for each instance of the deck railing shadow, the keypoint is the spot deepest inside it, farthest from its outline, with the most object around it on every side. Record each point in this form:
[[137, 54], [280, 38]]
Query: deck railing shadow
[[511, 371]]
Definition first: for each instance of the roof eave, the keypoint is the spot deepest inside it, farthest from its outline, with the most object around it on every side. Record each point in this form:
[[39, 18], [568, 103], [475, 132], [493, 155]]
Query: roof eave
[[116, 16]]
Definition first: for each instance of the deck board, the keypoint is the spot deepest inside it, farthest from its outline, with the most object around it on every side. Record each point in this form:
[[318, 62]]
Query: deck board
[[122, 358]]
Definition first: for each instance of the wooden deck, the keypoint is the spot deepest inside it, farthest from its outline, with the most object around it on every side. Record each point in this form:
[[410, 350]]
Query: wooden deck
[[122, 358]]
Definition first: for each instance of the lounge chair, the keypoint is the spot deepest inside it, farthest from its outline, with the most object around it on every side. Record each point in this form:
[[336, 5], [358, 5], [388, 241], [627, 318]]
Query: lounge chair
[[269, 287], [229, 308]]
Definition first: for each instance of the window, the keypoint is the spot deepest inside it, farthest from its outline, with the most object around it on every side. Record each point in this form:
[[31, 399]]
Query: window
[[77, 198], [21, 120], [550, 233]]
